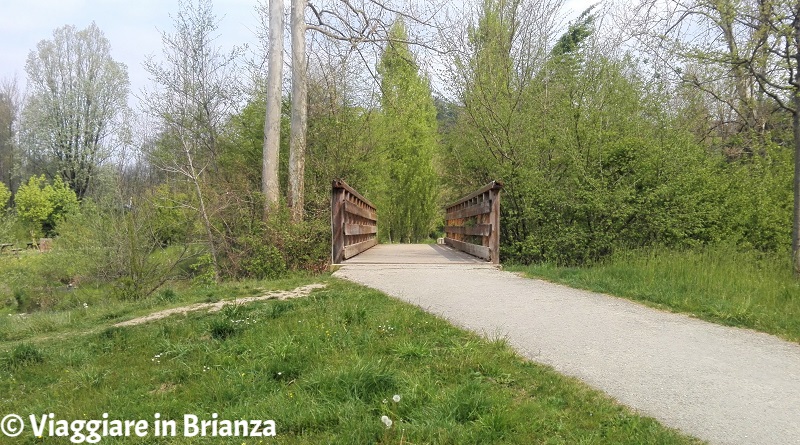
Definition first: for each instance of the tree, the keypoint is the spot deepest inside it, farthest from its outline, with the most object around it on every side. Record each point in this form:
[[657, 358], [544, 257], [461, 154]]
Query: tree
[[196, 94], [410, 135], [76, 92], [299, 123], [10, 103], [749, 52], [353, 22], [774, 61], [270, 185]]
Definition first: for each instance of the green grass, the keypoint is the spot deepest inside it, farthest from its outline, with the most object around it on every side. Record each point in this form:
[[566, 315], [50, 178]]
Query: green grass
[[35, 304], [325, 368], [718, 284]]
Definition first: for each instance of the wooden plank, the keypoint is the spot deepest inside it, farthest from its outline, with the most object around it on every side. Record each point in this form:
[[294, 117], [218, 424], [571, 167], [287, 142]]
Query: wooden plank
[[355, 249], [478, 209], [353, 209], [494, 185], [359, 229], [472, 249], [477, 229], [340, 184]]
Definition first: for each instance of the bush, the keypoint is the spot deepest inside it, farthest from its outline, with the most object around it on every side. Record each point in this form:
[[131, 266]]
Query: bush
[[265, 250], [42, 205], [121, 246], [5, 195]]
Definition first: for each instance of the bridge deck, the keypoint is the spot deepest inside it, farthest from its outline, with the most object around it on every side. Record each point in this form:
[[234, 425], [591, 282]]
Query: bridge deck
[[413, 254]]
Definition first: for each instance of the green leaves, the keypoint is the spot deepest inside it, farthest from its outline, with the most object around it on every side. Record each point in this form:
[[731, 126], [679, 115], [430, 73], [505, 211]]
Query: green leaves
[[5, 195], [408, 128], [42, 205]]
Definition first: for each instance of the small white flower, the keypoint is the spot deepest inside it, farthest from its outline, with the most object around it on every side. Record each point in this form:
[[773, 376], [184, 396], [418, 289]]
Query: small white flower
[[396, 398], [85, 305], [386, 421]]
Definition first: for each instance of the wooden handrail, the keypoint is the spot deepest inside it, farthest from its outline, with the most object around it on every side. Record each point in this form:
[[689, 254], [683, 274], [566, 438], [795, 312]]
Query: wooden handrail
[[473, 223], [354, 222]]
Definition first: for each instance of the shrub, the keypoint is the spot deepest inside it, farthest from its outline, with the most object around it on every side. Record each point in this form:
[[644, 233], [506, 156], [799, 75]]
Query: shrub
[[5, 195], [42, 205]]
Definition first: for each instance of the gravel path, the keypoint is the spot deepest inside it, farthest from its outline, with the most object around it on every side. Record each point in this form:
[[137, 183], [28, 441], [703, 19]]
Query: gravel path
[[724, 385]]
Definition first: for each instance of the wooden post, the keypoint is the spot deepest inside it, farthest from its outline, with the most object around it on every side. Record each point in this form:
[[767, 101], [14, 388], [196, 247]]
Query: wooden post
[[494, 220], [337, 224]]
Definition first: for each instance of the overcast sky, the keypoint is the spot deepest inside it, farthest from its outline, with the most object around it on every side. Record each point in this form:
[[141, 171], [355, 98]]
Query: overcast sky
[[132, 27]]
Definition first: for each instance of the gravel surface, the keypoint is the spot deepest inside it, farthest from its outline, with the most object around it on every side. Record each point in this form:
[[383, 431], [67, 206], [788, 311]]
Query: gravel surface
[[721, 384]]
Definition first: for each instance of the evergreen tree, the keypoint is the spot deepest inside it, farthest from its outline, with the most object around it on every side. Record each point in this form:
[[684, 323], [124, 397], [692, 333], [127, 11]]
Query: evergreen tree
[[408, 192]]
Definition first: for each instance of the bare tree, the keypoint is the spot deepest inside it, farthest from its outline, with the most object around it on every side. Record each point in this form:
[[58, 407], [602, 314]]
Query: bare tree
[[196, 92], [76, 92]]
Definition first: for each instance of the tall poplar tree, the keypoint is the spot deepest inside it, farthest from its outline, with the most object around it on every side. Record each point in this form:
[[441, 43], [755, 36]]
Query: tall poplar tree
[[408, 206]]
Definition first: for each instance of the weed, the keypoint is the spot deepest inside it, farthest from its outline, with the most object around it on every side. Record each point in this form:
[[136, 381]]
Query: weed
[[23, 355], [167, 296], [222, 328]]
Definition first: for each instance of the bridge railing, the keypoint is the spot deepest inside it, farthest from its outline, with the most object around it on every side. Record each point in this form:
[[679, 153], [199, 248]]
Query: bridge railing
[[354, 222], [473, 223]]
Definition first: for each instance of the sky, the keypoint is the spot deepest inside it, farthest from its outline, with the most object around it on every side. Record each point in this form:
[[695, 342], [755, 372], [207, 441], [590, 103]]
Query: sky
[[131, 26]]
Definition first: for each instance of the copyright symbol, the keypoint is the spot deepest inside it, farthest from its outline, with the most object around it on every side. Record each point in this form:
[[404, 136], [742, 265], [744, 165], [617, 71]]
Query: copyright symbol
[[12, 425]]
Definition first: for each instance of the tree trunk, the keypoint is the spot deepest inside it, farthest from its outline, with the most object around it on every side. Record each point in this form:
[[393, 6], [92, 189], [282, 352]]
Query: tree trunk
[[796, 222], [297, 139], [796, 128], [272, 122], [195, 177]]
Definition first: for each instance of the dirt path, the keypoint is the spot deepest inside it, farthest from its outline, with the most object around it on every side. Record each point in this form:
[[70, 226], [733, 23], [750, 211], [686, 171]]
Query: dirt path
[[721, 384], [302, 291]]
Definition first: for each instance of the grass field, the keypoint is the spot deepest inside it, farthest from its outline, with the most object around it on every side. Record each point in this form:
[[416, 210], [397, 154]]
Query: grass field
[[326, 368], [718, 284]]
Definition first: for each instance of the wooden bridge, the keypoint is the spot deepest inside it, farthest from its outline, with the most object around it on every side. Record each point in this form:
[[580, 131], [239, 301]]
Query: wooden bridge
[[721, 384], [472, 231]]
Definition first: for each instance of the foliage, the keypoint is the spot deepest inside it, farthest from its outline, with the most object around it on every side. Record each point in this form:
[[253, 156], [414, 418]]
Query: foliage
[[408, 197], [5, 195], [123, 246], [77, 92], [43, 205], [592, 161], [268, 249], [173, 218]]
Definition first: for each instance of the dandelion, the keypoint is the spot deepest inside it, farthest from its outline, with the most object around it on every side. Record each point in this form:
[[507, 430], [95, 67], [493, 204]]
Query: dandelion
[[396, 398], [386, 421]]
